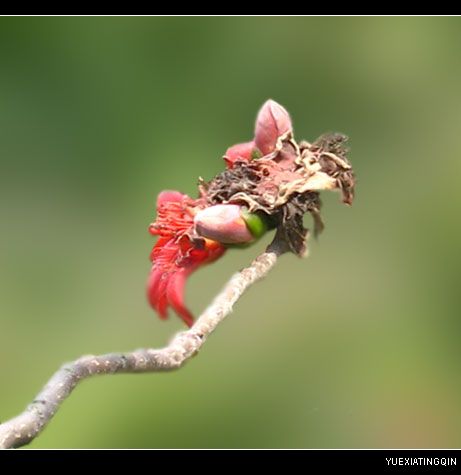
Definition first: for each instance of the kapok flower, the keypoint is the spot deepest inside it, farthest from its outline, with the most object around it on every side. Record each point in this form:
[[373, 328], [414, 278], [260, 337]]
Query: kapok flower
[[270, 181], [176, 255]]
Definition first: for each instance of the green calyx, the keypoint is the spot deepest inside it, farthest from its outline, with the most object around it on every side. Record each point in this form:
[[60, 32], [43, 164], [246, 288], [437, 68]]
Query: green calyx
[[255, 154], [255, 223]]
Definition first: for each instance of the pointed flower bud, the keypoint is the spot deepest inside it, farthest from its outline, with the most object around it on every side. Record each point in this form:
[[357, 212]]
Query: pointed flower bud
[[272, 122], [229, 224], [223, 223]]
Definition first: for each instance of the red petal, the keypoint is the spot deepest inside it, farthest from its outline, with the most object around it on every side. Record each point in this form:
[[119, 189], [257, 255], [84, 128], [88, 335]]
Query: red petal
[[175, 295], [171, 267], [162, 302], [156, 295], [152, 285], [241, 152]]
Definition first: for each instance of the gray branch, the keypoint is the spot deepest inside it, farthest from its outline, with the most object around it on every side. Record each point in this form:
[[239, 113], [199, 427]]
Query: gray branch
[[23, 428]]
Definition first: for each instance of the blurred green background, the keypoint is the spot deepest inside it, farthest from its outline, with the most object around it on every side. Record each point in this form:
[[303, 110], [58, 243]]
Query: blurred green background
[[357, 346]]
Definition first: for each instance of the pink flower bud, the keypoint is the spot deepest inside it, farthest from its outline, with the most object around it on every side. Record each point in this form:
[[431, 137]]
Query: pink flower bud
[[272, 122], [223, 223], [242, 152]]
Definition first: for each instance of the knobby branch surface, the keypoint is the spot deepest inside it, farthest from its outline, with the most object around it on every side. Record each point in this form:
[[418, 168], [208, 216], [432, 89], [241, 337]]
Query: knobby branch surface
[[23, 428]]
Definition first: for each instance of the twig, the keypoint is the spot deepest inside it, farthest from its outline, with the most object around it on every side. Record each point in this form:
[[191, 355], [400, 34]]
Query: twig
[[23, 428]]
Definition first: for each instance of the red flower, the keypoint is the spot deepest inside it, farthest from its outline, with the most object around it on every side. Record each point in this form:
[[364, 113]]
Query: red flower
[[270, 181], [176, 255]]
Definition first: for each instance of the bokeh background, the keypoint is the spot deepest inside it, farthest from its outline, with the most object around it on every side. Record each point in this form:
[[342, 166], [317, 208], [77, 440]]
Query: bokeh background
[[357, 346]]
